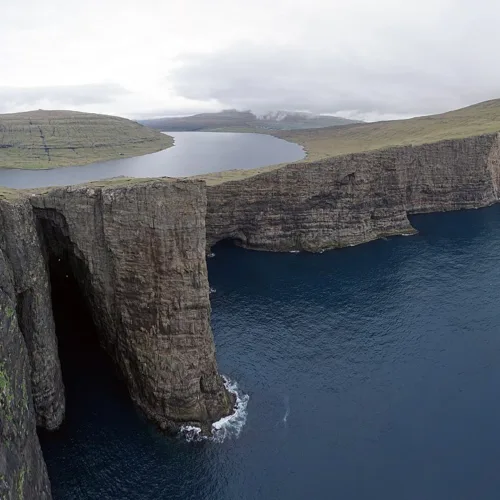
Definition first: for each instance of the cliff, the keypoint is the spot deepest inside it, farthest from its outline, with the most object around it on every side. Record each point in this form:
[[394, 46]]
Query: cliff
[[355, 198], [137, 251], [22, 470], [138, 255], [22, 249]]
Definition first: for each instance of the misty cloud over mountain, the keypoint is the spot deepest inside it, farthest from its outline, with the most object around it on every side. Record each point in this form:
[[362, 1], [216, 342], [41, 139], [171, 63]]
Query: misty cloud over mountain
[[250, 76], [361, 59], [12, 98]]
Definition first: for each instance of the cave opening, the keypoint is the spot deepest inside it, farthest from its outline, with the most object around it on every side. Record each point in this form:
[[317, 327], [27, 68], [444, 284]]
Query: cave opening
[[76, 332], [230, 241], [88, 372]]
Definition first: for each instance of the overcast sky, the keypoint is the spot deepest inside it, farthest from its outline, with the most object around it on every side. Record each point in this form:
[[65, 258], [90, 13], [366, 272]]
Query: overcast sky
[[367, 59]]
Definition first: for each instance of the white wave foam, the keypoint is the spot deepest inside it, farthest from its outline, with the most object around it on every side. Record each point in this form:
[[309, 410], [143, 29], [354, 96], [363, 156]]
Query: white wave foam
[[287, 410], [212, 290], [190, 433], [210, 255], [294, 251], [226, 427]]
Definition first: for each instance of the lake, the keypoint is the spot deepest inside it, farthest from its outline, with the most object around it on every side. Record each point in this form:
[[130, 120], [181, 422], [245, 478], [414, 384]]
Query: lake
[[372, 373], [193, 153]]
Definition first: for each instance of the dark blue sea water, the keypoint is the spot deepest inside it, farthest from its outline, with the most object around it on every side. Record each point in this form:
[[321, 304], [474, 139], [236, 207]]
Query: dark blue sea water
[[193, 153], [373, 373]]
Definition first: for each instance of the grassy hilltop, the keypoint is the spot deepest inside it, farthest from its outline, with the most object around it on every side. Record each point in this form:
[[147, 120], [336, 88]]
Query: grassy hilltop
[[478, 119], [49, 139], [482, 118]]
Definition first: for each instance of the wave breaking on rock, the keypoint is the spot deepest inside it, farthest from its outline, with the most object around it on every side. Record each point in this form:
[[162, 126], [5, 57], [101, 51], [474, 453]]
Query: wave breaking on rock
[[227, 427]]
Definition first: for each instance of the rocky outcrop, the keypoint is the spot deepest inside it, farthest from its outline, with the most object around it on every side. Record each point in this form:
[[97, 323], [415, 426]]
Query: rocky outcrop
[[139, 255], [355, 198]]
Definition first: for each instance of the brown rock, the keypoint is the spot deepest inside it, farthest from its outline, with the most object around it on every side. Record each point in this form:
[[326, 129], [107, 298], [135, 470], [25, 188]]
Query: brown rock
[[352, 199], [139, 255]]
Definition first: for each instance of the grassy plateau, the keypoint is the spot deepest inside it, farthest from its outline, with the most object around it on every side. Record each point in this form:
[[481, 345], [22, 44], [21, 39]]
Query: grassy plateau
[[49, 139], [321, 143], [474, 120]]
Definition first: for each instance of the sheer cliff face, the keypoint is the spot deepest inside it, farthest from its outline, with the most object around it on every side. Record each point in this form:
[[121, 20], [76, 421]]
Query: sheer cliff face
[[355, 198], [19, 241], [450, 175], [22, 469], [139, 255]]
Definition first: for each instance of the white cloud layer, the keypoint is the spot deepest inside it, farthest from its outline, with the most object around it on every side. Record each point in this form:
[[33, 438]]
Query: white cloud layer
[[361, 58]]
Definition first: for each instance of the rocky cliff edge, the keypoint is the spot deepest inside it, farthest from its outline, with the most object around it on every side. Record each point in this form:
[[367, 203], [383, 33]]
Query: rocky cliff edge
[[138, 255], [137, 250]]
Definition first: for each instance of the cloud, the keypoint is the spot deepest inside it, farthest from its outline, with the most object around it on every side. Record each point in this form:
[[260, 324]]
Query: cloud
[[23, 98], [360, 58], [262, 78]]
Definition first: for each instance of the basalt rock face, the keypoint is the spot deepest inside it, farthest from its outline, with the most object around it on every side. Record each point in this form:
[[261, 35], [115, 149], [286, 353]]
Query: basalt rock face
[[451, 175], [22, 470], [20, 244], [139, 255], [355, 198]]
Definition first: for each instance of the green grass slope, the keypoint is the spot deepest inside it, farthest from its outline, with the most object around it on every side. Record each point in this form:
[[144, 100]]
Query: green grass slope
[[474, 120], [49, 139]]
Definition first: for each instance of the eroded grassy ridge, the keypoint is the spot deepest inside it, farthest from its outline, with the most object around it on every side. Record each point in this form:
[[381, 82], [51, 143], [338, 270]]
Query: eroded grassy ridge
[[474, 120], [49, 139]]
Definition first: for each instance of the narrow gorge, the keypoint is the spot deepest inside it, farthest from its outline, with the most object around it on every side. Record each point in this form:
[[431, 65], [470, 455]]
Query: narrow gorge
[[136, 250]]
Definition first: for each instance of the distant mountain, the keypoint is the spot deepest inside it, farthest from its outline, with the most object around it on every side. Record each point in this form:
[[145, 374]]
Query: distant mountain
[[231, 119]]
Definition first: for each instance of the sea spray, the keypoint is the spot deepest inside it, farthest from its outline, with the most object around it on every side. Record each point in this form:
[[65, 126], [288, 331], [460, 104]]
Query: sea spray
[[287, 410], [226, 427]]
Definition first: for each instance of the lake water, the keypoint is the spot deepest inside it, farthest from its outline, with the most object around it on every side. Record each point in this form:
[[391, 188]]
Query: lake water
[[194, 153], [373, 373]]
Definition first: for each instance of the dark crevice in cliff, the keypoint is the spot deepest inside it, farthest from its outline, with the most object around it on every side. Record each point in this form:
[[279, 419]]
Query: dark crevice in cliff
[[74, 325], [229, 242], [58, 247], [78, 337], [24, 302], [93, 389], [79, 340]]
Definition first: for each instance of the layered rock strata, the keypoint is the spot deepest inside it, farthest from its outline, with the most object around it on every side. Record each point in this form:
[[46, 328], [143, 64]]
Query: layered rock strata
[[22, 470], [352, 199], [138, 254], [22, 249], [137, 251]]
